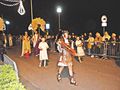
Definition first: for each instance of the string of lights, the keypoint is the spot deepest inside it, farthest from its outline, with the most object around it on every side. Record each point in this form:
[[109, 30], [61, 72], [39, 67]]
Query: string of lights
[[11, 3], [12, 0]]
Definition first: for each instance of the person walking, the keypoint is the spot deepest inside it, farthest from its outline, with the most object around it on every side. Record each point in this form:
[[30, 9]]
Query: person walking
[[43, 55], [65, 58]]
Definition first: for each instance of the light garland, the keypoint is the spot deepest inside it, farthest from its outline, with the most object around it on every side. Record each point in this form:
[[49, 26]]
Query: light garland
[[21, 9], [12, 0], [11, 3]]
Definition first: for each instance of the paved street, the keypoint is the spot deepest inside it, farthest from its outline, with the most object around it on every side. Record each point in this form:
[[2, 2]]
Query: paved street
[[91, 74]]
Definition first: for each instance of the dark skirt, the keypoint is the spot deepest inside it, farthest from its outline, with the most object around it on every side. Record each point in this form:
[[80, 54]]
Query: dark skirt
[[36, 49]]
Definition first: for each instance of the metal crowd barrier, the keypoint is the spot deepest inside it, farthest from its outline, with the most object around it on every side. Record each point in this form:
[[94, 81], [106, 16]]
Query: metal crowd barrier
[[9, 61], [104, 49]]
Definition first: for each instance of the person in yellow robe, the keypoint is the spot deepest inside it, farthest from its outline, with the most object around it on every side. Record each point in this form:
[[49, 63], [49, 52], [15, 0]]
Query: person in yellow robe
[[98, 47], [10, 38], [90, 45], [106, 36], [26, 48]]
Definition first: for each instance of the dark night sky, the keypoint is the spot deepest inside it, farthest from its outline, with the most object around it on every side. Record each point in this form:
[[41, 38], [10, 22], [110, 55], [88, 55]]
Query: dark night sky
[[78, 16]]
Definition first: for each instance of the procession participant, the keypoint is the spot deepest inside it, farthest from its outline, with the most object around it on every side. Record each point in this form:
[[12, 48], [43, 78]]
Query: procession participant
[[98, 43], [10, 38], [5, 40], [26, 49], [66, 58], [106, 36], [43, 55], [90, 45], [80, 51], [112, 48], [35, 38]]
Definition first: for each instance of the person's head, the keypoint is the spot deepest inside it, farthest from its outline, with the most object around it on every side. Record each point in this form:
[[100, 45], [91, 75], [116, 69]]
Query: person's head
[[90, 33], [82, 36], [113, 35], [69, 36], [43, 39], [78, 38], [98, 34], [85, 34], [65, 35], [106, 33], [26, 33]]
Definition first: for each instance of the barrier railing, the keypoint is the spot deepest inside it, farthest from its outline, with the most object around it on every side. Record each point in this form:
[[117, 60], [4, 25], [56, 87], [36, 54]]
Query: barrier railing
[[105, 49], [8, 60]]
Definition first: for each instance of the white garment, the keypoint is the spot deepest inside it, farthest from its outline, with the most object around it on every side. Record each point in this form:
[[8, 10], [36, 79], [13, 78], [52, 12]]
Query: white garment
[[66, 40], [43, 46], [80, 51], [72, 44]]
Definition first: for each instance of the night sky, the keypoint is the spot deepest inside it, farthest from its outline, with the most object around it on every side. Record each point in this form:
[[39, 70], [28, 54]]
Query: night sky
[[78, 16]]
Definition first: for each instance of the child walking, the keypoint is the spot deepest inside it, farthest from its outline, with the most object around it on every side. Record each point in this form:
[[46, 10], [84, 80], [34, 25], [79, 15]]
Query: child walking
[[43, 56]]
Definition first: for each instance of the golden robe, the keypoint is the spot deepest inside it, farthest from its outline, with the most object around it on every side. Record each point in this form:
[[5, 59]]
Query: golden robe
[[26, 48]]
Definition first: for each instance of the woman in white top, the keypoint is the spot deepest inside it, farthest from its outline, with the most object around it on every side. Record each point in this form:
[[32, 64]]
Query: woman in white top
[[43, 55], [80, 51]]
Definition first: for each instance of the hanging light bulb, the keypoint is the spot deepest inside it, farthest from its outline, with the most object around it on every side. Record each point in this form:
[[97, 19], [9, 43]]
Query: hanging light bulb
[[21, 9]]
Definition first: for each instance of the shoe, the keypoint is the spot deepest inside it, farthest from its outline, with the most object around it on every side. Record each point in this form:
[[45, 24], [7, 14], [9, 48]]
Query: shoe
[[39, 65], [92, 56], [73, 82], [45, 66], [59, 77]]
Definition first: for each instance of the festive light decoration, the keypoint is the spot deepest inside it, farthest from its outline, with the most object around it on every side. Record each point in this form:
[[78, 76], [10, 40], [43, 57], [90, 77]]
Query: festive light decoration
[[11, 3], [21, 9], [2, 25], [30, 27], [38, 22]]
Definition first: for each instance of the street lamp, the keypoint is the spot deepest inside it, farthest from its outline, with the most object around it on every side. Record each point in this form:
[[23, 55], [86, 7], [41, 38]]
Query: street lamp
[[7, 22], [5, 27], [59, 10]]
